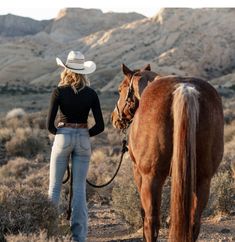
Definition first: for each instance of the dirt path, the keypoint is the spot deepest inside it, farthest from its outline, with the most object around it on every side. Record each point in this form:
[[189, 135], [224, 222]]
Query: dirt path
[[106, 226]]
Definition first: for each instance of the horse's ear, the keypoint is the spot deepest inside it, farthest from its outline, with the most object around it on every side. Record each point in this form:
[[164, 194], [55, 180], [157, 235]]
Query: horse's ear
[[146, 68], [126, 70]]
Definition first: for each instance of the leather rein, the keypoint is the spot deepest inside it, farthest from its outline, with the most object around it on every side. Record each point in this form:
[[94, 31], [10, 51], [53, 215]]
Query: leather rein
[[70, 176]]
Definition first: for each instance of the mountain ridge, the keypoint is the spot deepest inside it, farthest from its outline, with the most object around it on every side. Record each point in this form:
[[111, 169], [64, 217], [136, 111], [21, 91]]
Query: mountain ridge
[[14, 25], [194, 42]]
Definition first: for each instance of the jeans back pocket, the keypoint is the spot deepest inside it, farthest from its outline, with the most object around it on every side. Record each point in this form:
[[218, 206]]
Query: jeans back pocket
[[62, 141], [85, 142]]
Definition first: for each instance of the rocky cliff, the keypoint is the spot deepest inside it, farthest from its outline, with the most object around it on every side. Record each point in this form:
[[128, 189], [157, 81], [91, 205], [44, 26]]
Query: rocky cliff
[[199, 42], [11, 25]]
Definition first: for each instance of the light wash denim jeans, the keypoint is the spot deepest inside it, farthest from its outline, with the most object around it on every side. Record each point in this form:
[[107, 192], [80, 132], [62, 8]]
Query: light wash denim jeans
[[74, 142]]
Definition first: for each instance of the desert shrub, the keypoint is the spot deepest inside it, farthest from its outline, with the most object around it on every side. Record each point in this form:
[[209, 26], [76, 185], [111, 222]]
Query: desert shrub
[[37, 120], [41, 158], [15, 113], [38, 178], [18, 168], [233, 168], [33, 120], [5, 134], [165, 204], [221, 195], [114, 137], [26, 210], [102, 165], [229, 132], [17, 122], [126, 201], [2, 237], [229, 116], [41, 237], [229, 153], [26, 142], [125, 197]]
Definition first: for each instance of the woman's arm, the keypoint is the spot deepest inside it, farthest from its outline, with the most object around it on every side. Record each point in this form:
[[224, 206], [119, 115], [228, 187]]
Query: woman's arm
[[99, 122], [54, 103]]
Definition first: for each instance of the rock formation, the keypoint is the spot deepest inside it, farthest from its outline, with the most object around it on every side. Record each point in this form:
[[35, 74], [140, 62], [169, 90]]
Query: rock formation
[[198, 42]]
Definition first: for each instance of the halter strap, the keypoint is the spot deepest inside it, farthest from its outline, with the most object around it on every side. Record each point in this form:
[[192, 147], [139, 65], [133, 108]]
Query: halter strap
[[127, 102], [129, 88]]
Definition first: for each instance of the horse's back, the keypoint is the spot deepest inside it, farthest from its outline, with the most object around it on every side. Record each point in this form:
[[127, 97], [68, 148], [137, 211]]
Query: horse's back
[[153, 123]]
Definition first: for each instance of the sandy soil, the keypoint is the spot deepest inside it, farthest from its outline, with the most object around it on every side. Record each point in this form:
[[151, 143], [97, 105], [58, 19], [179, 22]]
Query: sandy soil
[[106, 226]]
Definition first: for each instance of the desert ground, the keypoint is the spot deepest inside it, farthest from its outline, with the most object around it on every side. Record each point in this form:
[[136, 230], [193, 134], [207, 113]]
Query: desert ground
[[111, 217]]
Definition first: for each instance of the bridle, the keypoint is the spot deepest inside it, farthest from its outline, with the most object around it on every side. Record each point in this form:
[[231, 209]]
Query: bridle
[[129, 101]]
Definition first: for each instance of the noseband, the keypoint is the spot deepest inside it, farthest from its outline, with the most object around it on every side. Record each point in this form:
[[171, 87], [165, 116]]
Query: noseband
[[129, 100]]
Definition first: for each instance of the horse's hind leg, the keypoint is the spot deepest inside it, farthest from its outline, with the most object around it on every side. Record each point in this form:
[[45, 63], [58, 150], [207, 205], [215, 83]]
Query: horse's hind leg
[[203, 190], [151, 189]]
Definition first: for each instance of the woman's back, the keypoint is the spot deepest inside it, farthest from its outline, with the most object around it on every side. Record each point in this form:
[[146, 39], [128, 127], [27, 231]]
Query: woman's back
[[75, 107]]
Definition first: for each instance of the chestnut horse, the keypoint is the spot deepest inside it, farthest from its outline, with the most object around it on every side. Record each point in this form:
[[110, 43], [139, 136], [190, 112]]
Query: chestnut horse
[[176, 129]]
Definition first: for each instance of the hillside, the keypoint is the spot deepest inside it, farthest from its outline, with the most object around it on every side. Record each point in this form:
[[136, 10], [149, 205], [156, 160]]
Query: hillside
[[31, 56], [199, 42], [12, 25], [74, 23]]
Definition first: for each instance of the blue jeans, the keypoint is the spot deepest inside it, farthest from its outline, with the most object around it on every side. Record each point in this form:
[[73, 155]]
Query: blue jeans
[[74, 142]]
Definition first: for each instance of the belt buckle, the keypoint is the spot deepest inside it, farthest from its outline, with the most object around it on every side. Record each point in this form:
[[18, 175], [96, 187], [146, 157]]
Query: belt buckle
[[76, 125]]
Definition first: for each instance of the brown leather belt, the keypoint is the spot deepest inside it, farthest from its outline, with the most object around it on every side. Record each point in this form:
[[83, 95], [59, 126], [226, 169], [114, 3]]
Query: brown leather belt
[[73, 125]]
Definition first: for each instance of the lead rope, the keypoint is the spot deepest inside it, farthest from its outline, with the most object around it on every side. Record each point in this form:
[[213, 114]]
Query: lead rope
[[124, 150]]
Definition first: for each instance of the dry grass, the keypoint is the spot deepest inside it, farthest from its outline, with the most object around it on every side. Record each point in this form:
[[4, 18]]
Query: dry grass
[[18, 168], [165, 205], [222, 194], [102, 166], [25, 142], [229, 132], [38, 178], [24, 183], [5, 134], [36, 237], [15, 113], [125, 197], [222, 184], [24, 135], [229, 148], [26, 210], [33, 120]]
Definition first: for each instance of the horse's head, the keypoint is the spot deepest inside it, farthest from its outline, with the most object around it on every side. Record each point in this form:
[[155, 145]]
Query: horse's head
[[130, 91]]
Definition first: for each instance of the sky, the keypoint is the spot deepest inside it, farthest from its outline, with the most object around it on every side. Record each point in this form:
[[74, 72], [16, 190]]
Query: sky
[[47, 9]]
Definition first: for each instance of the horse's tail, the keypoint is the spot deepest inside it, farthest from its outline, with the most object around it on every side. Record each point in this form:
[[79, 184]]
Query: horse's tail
[[185, 109]]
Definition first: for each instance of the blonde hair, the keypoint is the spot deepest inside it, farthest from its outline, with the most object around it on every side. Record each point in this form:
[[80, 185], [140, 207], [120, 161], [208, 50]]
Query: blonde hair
[[75, 80]]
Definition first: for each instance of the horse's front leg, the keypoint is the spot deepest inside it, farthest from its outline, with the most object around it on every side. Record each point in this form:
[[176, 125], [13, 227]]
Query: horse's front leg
[[151, 190], [138, 182]]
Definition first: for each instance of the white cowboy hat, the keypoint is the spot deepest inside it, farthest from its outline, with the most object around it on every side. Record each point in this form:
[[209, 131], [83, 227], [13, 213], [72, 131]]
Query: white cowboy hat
[[76, 63]]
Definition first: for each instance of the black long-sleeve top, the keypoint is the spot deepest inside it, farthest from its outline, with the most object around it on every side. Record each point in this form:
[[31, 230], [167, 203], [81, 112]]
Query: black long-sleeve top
[[74, 108]]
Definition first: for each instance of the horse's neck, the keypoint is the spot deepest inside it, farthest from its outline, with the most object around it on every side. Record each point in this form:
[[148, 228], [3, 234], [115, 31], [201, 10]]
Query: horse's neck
[[150, 76]]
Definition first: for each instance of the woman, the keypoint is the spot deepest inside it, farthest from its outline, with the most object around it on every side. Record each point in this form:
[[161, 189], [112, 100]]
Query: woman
[[72, 137]]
